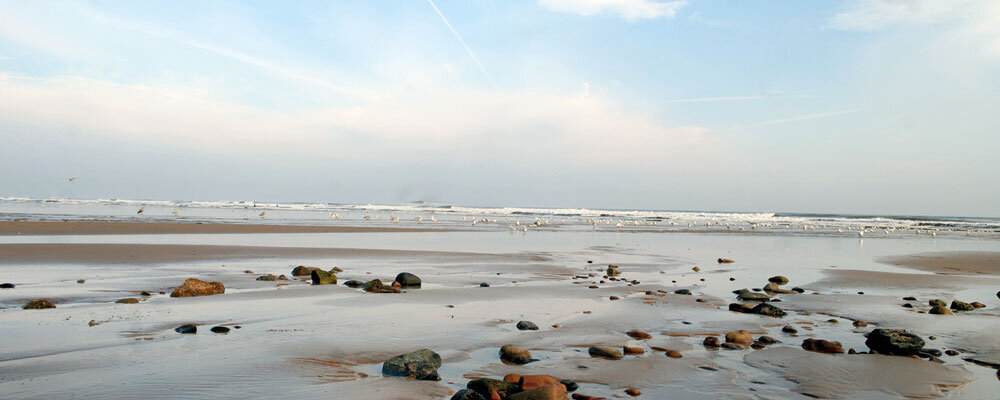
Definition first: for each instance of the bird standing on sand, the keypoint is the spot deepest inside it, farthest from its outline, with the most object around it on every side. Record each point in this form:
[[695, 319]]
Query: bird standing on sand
[[263, 213], [141, 210]]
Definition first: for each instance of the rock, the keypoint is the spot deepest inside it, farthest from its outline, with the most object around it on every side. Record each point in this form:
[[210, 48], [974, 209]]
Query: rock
[[695, 269], [745, 294], [407, 280], [977, 304], [376, 286], [467, 394], [907, 305], [740, 307], [951, 352], [484, 284], [353, 284], [894, 341], [910, 298], [486, 387], [789, 329], [933, 352], [267, 278], [421, 365], [578, 396], [632, 392], [822, 346], [219, 329], [186, 329], [683, 291], [93, 323], [768, 310], [674, 354], [638, 335], [732, 346], [527, 326], [39, 304], [937, 302], [6, 285], [725, 261], [337, 270], [320, 277], [739, 337], [961, 306], [282, 277], [778, 279], [129, 300], [550, 392], [773, 288], [570, 385], [613, 298], [798, 290], [514, 354], [605, 352], [711, 341], [767, 340], [941, 310], [304, 270], [194, 287], [632, 351], [860, 324], [145, 293], [613, 270], [81, 281], [529, 382], [247, 271]]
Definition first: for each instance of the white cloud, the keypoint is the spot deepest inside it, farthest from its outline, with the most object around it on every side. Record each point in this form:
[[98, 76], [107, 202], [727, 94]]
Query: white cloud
[[628, 9]]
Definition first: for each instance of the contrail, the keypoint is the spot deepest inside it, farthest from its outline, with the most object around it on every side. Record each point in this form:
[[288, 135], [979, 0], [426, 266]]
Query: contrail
[[459, 37]]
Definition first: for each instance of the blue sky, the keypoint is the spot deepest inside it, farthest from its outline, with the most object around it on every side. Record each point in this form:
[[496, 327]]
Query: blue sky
[[867, 106]]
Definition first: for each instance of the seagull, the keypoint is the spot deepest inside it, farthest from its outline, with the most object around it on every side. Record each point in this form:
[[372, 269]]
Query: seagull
[[366, 217], [861, 233], [263, 213], [141, 210]]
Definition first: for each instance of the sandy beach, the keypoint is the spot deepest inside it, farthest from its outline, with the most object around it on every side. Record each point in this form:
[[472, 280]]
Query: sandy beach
[[300, 339]]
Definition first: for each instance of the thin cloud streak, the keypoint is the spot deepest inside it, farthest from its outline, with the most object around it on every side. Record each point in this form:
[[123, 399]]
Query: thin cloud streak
[[798, 118], [716, 99], [459, 37]]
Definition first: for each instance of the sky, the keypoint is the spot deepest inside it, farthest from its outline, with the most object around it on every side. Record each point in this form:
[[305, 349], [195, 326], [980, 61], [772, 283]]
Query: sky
[[829, 106]]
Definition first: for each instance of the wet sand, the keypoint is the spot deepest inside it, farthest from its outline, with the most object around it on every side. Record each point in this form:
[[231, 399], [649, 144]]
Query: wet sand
[[153, 228], [965, 262], [311, 341]]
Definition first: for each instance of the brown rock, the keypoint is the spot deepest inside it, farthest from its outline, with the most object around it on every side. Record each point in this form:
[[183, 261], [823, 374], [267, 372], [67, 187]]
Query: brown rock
[[529, 382], [515, 354], [39, 304], [613, 298], [674, 354], [303, 270], [93, 323], [629, 350], [739, 337], [940, 310], [860, 324], [711, 341], [725, 261], [194, 287], [550, 392], [638, 335], [822, 346], [579, 396], [632, 392], [129, 300], [977, 304]]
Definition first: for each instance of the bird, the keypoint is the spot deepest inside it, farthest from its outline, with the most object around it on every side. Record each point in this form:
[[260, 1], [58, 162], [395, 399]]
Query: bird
[[263, 213], [141, 210], [73, 179], [861, 233], [176, 212]]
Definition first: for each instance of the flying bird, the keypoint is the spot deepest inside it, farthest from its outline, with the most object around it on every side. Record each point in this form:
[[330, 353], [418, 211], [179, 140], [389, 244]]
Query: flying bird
[[73, 179]]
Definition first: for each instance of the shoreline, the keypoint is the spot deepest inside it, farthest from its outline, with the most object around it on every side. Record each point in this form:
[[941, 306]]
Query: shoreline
[[41, 228]]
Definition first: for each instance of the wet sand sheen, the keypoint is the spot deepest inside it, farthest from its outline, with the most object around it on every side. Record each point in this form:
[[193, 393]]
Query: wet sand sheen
[[951, 262]]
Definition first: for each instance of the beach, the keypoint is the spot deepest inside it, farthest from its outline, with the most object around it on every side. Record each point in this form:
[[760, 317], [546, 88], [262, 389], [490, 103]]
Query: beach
[[289, 337]]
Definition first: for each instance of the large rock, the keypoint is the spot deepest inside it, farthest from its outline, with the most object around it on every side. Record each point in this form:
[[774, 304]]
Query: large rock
[[194, 287], [739, 337], [421, 365], [528, 382], [823, 346], [605, 352], [941, 310], [353, 284], [486, 387], [39, 304], [549, 392], [408, 280], [768, 310], [746, 294], [467, 394], [894, 341], [515, 355], [320, 277], [961, 306], [376, 286], [303, 270]]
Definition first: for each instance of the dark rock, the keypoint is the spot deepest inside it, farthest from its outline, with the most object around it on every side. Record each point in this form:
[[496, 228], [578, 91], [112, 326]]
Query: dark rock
[[772, 287], [798, 290], [951, 352], [484, 284], [486, 386], [353, 284], [219, 329], [977, 304], [376, 286], [39, 304], [740, 307], [129, 300], [6, 285], [613, 270], [605, 352], [186, 329], [683, 291], [514, 354], [145, 293], [961, 306], [725, 261], [194, 287], [304, 270], [860, 324], [467, 394], [527, 326], [768, 310], [910, 298], [267, 278], [757, 345], [790, 329], [81, 281], [822, 346], [421, 365], [407, 280], [937, 302], [320, 277], [732, 346], [711, 341], [747, 295], [768, 340], [894, 341], [780, 280], [933, 352], [907, 305], [570, 385], [940, 310]]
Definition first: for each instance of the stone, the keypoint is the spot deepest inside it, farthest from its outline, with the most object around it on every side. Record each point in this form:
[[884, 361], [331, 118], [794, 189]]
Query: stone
[[128, 300], [376, 286], [674, 354], [467, 394], [977, 304], [789, 329], [7, 285], [768, 310], [337, 270], [632, 392], [772, 287], [961, 306], [93, 323], [683, 291], [798, 290], [145, 293], [267, 278], [407, 280], [353, 284], [613, 270], [638, 335], [420, 365], [695, 269], [529, 382], [860, 324], [514, 354], [767, 340], [614, 298], [745, 294], [320, 277], [910, 298], [822, 346], [725, 261], [951, 352], [605, 352], [219, 329], [578, 396], [81, 281], [757, 345], [711, 341], [570, 385], [550, 392], [739, 337], [937, 302], [933, 352], [195, 287], [778, 279], [484, 284], [39, 304], [186, 329], [894, 341], [940, 310], [907, 305], [486, 387], [303, 270], [632, 351], [740, 307], [732, 346], [527, 326], [247, 271]]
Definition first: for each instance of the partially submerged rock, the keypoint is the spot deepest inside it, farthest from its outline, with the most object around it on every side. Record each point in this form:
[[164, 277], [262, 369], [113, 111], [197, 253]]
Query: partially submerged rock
[[605, 352], [768, 310], [515, 355], [186, 329], [219, 329], [613, 270], [961, 306], [940, 310], [746, 294], [772, 287], [7, 285], [303, 270], [376, 286], [467, 394], [39, 304], [195, 287], [129, 300], [822, 346], [421, 365], [549, 392], [894, 341], [725, 261], [267, 278], [739, 337], [353, 284], [638, 335], [320, 277], [526, 326], [778, 279], [408, 280]]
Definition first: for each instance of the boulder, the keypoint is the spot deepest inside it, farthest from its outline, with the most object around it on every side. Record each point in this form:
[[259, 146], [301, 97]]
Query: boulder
[[894, 341], [194, 287], [739, 337], [514, 354], [407, 280], [767, 340], [186, 329], [467, 394], [822, 346], [376, 286], [421, 365], [937, 302], [39, 304], [527, 326], [486, 387], [790, 329], [613, 270], [683, 291], [768, 310], [303, 270], [569, 384], [549, 392], [529, 382], [778, 279], [961, 306], [605, 352], [746, 294], [320, 277], [740, 307]]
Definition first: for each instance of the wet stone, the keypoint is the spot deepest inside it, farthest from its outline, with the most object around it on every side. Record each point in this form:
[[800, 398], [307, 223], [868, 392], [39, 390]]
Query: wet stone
[[527, 326]]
